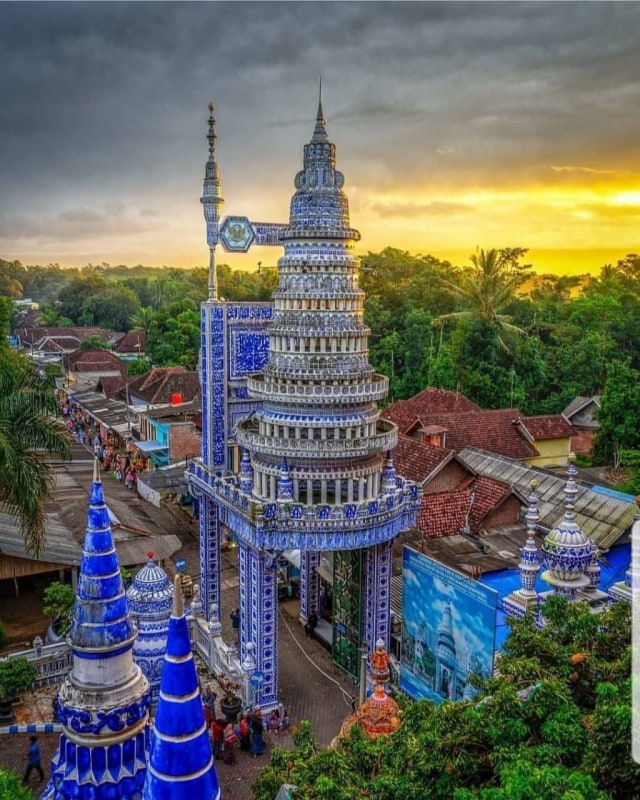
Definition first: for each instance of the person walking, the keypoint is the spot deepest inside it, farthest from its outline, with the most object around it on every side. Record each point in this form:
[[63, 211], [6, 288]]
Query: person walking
[[33, 759], [245, 734], [217, 734], [257, 731], [235, 623], [311, 624], [229, 740]]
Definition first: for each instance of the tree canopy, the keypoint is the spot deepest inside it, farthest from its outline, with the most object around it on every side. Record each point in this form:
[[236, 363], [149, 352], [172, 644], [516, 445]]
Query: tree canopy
[[555, 723]]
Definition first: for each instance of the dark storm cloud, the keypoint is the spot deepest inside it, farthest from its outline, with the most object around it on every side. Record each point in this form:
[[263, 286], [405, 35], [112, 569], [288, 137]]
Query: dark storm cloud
[[105, 102]]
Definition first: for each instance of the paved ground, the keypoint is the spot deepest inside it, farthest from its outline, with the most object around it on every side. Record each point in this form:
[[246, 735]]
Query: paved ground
[[311, 686]]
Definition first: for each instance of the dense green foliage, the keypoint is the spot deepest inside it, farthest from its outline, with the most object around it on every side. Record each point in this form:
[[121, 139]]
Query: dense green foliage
[[11, 787], [493, 330], [16, 674], [59, 599], [555, 724], [29, 435]]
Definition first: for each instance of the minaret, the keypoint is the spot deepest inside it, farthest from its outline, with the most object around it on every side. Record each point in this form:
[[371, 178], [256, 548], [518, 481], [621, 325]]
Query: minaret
[[316, 443], [566, 551], [180, 759], [212, 201], [104, 700], [525, 598], [150, 598]]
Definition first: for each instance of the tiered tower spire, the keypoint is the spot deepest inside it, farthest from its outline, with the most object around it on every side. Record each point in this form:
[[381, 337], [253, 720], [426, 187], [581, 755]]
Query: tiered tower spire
[[316, 443], [104, 700], [525, 598], [180, 760]]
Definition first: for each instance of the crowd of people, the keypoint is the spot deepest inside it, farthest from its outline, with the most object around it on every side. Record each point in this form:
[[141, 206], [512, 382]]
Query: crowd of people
[[122, 466], [247, 735]]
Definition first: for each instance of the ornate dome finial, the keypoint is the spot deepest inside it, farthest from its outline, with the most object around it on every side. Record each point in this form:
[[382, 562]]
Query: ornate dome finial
[[320, 132]]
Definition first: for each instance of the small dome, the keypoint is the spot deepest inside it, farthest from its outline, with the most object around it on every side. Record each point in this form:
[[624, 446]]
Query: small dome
[[151, 591], [566, 551]]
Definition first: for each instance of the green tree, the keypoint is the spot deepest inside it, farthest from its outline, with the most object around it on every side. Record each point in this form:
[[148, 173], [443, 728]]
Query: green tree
[[555, 723], [619, 413], [59, 599], [29, 435], [487, 287], [143, 319]]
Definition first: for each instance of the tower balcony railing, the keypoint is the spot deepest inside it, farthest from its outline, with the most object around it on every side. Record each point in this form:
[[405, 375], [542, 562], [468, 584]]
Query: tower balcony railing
[[380, 442], [375, 389], [299, 328], [287, 524]]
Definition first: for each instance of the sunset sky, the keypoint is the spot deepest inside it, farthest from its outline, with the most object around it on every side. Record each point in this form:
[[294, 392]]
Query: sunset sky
[[458, 125]]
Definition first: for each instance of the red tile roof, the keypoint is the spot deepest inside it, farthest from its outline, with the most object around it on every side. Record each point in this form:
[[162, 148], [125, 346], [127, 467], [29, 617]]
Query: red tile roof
[[417, 460], [130, 341], [493, 431], [446, 513], [112, 386], [405, 412], [95, 361], [547, 426], [159, 384]]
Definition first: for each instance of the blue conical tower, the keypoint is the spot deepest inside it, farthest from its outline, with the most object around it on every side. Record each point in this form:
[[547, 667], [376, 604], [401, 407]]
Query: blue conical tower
[[180, 760], [103, 703]]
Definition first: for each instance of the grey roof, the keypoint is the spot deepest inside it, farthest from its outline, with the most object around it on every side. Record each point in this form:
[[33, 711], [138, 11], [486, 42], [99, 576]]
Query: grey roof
[[603, 516], [133, 551], [170, 478], [111, 413], [579, 403], [60, 546]]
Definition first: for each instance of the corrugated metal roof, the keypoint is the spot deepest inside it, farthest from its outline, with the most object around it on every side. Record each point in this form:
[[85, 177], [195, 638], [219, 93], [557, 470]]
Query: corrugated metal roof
[[60, 547], [603, 516]]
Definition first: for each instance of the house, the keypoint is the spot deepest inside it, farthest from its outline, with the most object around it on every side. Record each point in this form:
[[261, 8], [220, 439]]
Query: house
[[60, 340], [86, 367], [131, 345], [550, 435], [169, 435], [582, 414], [449, 420], [164, 386]]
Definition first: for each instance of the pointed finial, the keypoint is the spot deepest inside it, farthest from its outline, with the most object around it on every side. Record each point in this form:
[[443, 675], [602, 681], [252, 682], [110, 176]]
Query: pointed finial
[[211, 106], [178, 600], [320, 131], [96, 470]]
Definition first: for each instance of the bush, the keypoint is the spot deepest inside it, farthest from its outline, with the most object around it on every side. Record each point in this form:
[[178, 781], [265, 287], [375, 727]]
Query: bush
[[11, 788], [58, 604], [16, 674]]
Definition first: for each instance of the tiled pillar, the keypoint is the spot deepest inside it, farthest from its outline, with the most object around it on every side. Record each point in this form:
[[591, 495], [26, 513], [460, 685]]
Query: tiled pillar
[[210, 562], [309, 583], [377, 599]]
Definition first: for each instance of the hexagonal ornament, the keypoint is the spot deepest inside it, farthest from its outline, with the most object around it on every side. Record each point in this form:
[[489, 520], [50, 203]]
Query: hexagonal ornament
[[237, 234]]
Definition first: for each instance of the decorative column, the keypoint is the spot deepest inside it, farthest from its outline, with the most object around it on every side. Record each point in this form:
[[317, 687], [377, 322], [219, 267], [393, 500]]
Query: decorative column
[[210, 557], [377, 595], [263, 614], [309, 583]]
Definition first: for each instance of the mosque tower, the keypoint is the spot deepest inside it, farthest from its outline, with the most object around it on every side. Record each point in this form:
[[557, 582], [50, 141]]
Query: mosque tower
[[181, 763], [103, 703], [566, 551], [316, 473]]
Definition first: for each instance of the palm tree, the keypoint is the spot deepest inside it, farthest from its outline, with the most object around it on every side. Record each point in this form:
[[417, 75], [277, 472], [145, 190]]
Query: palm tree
[[143, 320], [487, 287], [29, 434]]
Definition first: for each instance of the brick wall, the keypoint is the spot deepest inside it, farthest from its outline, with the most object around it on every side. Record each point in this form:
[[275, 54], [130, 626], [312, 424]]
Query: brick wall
[[183, 441]]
